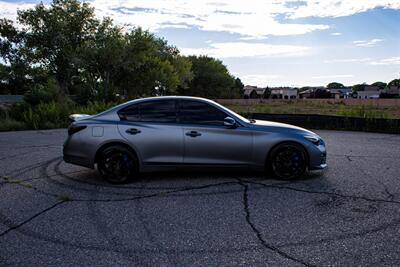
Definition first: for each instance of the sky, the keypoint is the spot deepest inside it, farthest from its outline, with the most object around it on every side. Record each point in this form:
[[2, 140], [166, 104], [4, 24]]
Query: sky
[[270, 42]]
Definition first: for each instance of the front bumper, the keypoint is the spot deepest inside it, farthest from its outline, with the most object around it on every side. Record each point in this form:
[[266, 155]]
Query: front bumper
[[318, 158]]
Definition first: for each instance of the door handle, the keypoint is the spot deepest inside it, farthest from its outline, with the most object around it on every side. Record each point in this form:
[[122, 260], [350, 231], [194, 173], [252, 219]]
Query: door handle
[[193, 134], [132, 131]]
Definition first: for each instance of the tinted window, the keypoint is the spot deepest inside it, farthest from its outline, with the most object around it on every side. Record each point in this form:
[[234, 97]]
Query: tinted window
[[197, 112], [158, 111], [130, 113]]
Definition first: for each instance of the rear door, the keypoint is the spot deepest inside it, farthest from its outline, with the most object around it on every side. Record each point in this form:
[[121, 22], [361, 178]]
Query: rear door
[[208, 141], [151, 128]]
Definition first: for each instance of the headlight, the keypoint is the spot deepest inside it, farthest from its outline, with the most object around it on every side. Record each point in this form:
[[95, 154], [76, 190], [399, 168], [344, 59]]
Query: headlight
[[314, 139]]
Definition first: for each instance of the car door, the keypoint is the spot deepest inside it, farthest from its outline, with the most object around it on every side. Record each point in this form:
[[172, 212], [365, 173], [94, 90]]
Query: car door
[[151, 128], [208, 141]]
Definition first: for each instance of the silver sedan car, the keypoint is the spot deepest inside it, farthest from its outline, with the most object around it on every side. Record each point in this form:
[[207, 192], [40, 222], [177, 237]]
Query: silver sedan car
[[161, 133]]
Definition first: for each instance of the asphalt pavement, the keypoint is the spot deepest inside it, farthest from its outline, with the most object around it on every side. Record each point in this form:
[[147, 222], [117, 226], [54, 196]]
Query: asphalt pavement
[[56, 214]]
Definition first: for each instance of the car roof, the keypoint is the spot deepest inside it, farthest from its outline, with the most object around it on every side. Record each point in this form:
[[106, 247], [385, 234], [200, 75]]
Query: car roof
[[167, 97], [145, 99]]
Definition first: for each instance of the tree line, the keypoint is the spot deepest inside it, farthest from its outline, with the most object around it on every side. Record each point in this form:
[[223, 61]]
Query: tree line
[[64, 50]]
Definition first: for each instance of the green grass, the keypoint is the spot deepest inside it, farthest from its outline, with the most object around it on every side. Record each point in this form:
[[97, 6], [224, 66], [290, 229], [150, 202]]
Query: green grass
[[320, 108]]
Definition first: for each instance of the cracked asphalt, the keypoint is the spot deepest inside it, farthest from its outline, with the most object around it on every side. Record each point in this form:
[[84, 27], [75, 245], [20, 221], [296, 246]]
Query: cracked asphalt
[[57, 214]]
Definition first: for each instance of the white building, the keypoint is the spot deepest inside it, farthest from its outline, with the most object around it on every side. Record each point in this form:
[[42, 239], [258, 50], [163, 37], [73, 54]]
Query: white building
[[284, 93]]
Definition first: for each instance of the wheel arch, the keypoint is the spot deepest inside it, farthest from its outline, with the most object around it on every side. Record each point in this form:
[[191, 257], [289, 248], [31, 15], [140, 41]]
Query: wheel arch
[[269, 154], [115, 143]]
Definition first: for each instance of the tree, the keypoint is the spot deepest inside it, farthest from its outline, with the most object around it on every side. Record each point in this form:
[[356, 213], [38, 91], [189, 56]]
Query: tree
[[380, 85], [100, 58], [359, 87], [335, 85], [212, 79], [150, 66], [395, 82], [52, 36]]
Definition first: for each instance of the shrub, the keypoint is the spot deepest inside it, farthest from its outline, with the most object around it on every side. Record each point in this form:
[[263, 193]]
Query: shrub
[[43, 93], [43, 115], [93, 107]]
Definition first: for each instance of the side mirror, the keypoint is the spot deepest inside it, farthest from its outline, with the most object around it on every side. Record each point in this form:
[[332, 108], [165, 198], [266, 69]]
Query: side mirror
[[230, 122]]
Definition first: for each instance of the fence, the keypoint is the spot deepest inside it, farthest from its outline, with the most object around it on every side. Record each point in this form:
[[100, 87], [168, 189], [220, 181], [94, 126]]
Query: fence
[[350, 101], [9, 99], [334, 122]]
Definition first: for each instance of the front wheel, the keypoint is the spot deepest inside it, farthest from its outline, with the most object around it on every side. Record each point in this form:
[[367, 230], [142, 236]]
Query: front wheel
[[288, 161], [117, 164]]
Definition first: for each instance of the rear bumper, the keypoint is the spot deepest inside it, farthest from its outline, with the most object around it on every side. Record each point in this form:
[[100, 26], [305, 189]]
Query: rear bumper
[[72, 153], [77, 161]]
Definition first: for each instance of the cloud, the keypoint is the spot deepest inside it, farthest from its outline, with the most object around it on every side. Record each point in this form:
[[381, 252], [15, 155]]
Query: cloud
[[387, 61], [243, 49], [257, 19], [339, 8], [348, 60], [259, 79], [9, 9], [367, 43], [333, 76], [336, 33]]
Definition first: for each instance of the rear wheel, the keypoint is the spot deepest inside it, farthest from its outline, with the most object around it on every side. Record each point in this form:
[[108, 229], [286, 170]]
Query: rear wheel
[[288, 161], [117, 164]]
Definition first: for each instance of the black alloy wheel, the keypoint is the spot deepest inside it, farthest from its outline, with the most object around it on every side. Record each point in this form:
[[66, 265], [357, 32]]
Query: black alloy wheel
[[288, 161], [117, 164]]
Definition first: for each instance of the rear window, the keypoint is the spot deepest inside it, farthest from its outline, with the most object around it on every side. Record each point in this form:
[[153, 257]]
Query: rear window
[[150, 111]]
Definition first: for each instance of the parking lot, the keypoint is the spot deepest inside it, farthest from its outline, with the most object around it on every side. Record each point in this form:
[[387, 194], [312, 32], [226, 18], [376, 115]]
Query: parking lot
[[53, 213]]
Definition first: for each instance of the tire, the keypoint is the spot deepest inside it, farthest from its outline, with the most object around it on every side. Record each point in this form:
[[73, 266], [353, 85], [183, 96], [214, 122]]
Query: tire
[[288, 161], [117, 164]]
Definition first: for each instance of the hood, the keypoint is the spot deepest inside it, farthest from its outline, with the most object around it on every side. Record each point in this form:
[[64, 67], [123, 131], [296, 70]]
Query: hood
[[281, 127]]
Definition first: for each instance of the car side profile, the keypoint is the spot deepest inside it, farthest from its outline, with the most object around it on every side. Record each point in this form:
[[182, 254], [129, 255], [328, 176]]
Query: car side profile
[[161, 133]]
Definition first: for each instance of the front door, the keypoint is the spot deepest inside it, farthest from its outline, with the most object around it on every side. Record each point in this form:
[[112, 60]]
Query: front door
[[208, 141]]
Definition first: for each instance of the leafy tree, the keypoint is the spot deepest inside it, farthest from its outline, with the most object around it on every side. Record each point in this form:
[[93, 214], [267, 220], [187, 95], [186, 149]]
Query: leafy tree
[[395, 82], [381, 85], [359, 87], [150, 66], [335, 85], [212, 79], [52, 36], [100, 58]]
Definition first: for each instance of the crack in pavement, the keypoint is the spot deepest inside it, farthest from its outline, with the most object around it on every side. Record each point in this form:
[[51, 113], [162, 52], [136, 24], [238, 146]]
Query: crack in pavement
[[361, 156], [31, 218], [324, 193], [258, 233]]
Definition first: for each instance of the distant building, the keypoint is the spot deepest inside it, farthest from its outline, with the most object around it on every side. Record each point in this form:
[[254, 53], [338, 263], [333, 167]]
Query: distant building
[[370, 91], [254, 92], [312, 92], [284, 93], [390, 92], [341, 93]]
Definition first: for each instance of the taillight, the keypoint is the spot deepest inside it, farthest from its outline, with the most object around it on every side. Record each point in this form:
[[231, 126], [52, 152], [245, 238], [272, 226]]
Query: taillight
[[75, 128]]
